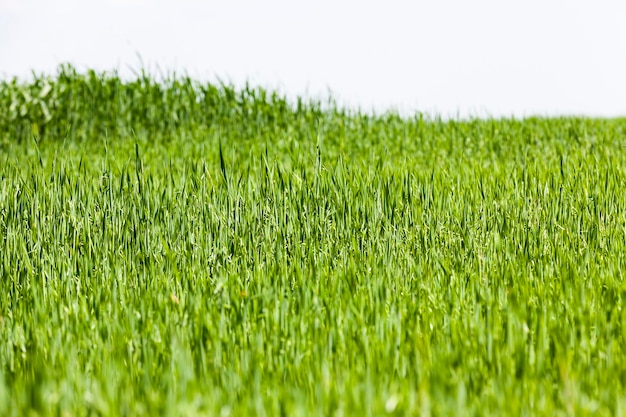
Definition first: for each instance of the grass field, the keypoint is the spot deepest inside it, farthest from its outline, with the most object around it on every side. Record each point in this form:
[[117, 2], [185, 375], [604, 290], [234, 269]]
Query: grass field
[[185, 249]]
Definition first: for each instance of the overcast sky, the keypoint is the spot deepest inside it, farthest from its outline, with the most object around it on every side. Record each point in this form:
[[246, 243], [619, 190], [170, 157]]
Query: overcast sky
[[478, 58]]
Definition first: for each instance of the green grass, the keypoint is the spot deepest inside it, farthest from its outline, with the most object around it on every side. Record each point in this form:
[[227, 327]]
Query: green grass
[[177, 248]]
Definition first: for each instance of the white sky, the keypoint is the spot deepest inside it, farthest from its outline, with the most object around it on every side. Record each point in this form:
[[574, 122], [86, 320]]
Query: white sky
[[451, 57]]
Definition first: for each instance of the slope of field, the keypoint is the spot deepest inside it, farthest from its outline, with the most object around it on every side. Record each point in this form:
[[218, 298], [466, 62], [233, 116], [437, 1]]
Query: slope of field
[[177, 248]]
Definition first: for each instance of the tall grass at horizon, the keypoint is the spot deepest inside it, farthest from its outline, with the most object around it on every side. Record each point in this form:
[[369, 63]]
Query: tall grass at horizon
[[184, 249]]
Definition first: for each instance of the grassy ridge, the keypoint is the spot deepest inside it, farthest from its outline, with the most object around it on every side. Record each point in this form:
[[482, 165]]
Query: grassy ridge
[[173, 248], [92, 105]]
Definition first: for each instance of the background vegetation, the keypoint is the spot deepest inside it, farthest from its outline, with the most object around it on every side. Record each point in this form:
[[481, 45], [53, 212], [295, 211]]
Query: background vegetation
[[178, 248]]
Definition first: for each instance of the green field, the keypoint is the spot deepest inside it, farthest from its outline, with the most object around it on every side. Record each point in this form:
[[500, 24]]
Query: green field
[[170, 247]]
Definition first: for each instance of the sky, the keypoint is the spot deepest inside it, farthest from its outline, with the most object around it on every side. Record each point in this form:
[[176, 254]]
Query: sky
[[454, 58]]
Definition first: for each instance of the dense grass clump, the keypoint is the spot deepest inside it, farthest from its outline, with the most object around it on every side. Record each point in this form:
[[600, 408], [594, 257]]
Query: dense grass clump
[[176, 248]]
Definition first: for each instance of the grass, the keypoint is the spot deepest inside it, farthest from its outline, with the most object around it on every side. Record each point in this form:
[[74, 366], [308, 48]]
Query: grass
[[177, 248]]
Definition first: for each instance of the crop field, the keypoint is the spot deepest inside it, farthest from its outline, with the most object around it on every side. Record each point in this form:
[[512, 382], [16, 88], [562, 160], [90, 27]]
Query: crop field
[[177, 248]]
